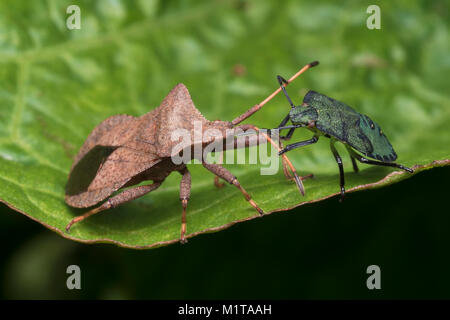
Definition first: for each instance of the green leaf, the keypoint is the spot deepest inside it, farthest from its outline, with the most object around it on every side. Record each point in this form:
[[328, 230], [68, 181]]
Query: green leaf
[[58, 84]]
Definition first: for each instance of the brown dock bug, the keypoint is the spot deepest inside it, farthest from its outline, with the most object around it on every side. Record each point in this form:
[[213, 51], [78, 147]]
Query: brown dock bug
[[123, 151]]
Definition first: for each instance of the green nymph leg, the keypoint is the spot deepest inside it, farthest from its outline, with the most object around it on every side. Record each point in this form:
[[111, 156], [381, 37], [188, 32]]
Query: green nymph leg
[[341, 167], [354, 164], [378, 163], [290, 147]]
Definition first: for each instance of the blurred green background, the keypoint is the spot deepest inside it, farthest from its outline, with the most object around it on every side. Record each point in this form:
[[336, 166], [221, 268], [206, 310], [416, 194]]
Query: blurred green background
[[316, 251]]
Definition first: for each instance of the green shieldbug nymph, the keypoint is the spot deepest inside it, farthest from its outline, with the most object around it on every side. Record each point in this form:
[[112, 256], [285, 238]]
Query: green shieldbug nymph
[[333, 119]]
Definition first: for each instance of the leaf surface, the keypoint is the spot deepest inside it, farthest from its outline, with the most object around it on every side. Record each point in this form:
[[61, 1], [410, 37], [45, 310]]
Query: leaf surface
[[58, 84]]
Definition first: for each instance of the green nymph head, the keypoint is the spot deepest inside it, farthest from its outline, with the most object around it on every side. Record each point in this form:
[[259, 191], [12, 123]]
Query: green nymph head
[[303, 115]]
